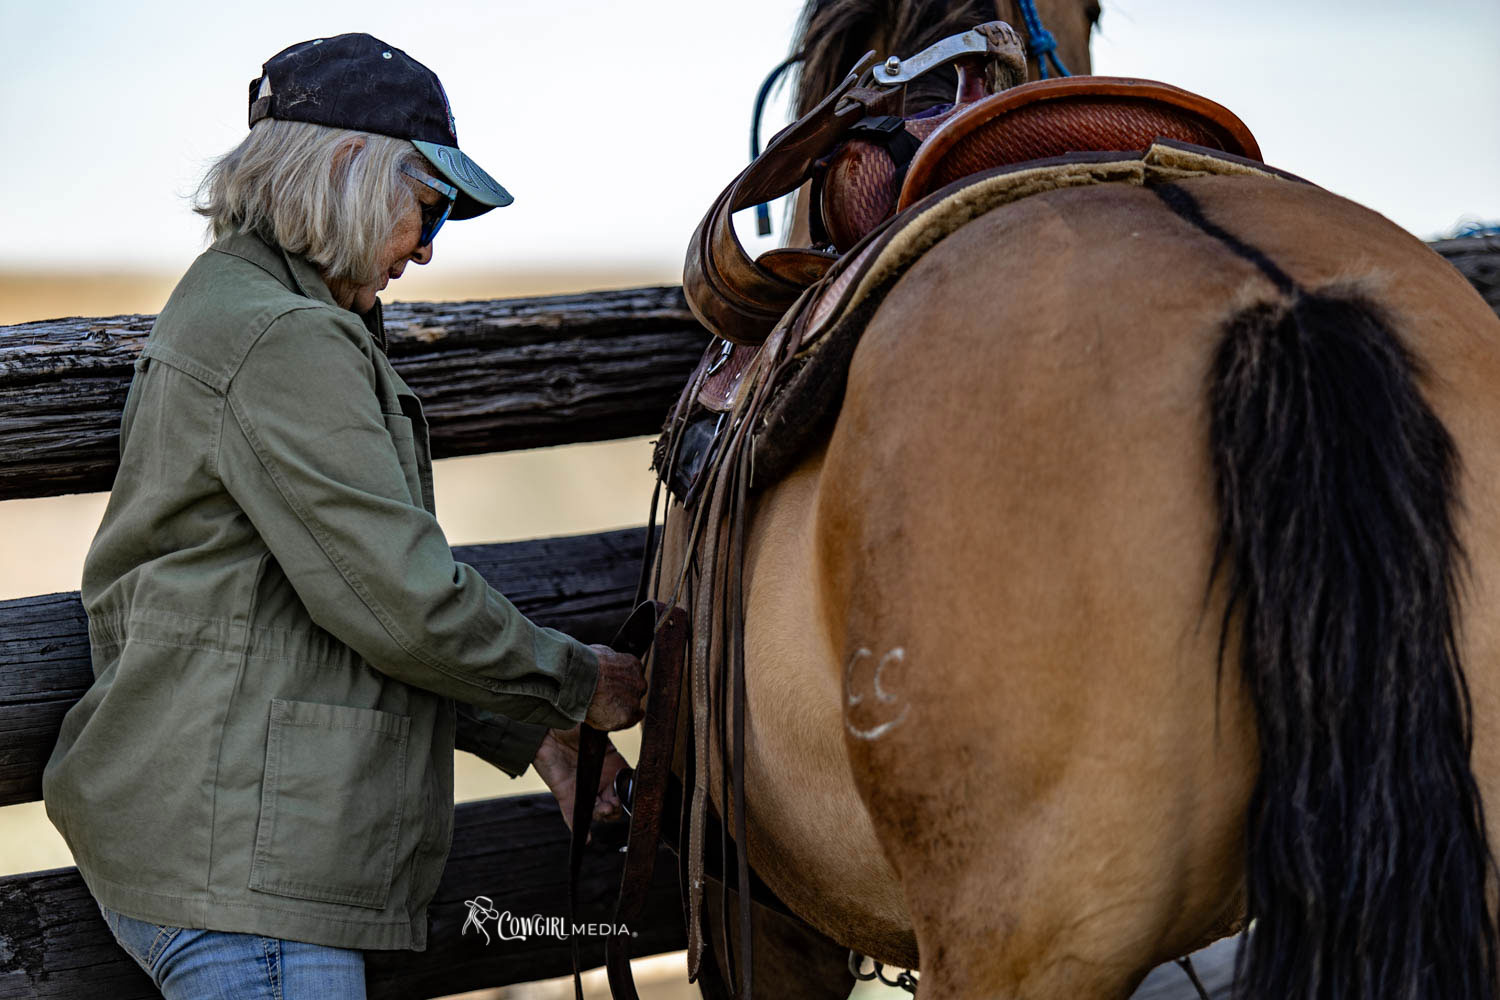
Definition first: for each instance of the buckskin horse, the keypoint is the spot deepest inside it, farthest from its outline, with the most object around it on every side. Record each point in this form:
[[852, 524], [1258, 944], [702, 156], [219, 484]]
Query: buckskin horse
[[1139, 586]]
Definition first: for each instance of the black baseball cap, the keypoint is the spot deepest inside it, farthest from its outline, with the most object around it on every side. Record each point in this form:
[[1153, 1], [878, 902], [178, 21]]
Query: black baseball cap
[[356, 81]]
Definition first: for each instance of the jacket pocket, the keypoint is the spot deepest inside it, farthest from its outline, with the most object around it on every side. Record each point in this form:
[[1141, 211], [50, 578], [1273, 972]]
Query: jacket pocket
[[404, 438], [412, 407], [331, 803]]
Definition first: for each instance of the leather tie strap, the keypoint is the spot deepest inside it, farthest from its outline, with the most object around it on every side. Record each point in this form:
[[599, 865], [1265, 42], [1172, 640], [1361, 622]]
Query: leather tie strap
[[635, 637], [591, 746], [653, 768]]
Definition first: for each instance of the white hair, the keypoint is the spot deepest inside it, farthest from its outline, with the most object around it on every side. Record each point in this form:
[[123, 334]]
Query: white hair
[[332, 195]]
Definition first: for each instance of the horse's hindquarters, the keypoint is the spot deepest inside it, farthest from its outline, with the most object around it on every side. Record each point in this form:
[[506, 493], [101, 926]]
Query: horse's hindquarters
[[811, 839], [1016, 525]]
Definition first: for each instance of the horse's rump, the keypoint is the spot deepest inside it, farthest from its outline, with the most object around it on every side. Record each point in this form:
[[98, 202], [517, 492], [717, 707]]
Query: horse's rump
[[1064, 722], [994, 583], [1135, 560]]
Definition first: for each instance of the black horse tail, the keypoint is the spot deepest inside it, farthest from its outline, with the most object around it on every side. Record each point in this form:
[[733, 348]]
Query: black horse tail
[[1368, 869]]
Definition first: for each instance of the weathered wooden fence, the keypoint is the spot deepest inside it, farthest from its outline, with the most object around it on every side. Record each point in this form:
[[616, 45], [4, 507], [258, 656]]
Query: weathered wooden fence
[[493, 376]]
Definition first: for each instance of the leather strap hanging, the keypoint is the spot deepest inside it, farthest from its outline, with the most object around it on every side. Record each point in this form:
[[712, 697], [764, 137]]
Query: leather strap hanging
[[650, 627], [741, 299], [591, 747], [649, 791]]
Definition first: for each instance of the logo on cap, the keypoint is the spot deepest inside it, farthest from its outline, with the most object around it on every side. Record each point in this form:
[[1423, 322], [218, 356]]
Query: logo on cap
[[447, 109]]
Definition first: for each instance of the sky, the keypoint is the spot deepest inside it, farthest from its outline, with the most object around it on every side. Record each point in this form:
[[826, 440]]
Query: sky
[[615, 125]]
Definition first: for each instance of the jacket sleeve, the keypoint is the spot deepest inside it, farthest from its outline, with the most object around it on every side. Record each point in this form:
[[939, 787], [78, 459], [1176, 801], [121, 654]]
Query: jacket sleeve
[[498, 740], [307, 452]]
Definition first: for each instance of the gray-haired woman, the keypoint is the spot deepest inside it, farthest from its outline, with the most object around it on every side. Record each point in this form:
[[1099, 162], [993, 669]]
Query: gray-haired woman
[[259, 783]]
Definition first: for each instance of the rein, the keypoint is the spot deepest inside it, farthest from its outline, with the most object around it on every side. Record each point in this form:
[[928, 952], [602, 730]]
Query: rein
[[763, 210]]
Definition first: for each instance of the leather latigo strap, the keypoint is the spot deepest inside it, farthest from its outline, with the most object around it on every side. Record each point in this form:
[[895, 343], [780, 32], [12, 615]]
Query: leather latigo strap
[[652, 773], [654, 629], [591, 748], [728, 291]]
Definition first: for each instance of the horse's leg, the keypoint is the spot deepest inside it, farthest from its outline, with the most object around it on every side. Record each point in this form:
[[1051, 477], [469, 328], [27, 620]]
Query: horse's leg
[[1015, 523]]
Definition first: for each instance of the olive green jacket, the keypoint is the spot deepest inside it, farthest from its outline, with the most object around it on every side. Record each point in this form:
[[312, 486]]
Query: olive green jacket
[[279, 630]]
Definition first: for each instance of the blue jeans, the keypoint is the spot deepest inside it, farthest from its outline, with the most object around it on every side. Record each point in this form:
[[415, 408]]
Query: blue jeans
[[190, 964]]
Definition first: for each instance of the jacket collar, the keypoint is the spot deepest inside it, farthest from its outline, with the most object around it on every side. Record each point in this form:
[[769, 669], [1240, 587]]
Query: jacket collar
[[294, 271], [297, 273]]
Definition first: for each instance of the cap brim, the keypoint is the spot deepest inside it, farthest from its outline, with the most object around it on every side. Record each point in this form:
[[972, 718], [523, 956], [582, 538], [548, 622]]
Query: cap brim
[[478, 192]]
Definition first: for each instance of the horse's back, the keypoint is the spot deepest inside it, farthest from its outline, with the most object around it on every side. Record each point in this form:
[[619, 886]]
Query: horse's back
[[1016, 526]]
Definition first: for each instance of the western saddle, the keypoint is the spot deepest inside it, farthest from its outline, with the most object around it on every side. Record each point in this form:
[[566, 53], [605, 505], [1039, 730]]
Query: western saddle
[[875, 174]]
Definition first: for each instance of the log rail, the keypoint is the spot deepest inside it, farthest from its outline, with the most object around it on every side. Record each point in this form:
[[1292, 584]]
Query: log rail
[[493, 376]]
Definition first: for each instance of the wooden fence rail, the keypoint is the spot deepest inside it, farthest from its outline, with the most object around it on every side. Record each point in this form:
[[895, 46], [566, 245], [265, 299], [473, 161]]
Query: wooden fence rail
[[582, 585], [492, 376]]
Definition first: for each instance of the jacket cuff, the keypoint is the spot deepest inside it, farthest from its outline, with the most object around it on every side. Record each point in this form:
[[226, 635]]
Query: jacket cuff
[[498, 740], [580, 678]]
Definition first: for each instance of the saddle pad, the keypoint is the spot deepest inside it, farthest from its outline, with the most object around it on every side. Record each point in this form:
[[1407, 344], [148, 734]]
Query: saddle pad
[[808, 352], [828, 326]]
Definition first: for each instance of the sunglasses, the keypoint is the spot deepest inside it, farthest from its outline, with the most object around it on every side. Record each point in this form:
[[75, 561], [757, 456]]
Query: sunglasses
[[434, 215]]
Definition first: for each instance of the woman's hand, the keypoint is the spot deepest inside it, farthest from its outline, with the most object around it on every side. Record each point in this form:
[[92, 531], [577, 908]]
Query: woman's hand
[[557, 762], [617, 696]]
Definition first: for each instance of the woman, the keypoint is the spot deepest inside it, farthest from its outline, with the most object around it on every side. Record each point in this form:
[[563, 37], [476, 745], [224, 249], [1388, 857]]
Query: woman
[[259, 783]]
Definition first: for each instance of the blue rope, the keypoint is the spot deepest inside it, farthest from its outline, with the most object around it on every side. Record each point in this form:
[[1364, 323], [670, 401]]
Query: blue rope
[[763, 211], [1043, 45]]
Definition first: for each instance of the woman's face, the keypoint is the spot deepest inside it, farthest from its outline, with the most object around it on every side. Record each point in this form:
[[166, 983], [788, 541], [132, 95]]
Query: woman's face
[[399, 248]]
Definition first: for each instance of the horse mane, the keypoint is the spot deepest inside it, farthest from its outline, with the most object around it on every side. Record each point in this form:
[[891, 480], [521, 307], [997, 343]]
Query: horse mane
[[832, 34]]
